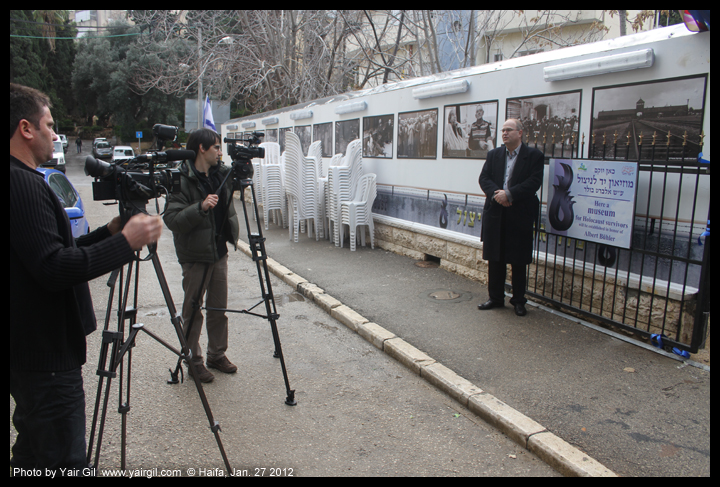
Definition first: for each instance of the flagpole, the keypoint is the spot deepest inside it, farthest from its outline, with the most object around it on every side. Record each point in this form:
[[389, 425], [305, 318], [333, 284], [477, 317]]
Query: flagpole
[[201, 107]]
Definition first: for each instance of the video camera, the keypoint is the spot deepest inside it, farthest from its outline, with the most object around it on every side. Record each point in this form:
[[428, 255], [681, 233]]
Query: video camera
[[133, 182], [241, 154]]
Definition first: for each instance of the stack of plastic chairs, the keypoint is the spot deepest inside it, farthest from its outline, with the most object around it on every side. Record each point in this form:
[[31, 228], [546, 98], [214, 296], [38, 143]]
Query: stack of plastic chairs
[[301, 186], [315, 194], [358, 212], [293, 182], [272, 182], [342, 183], [314, 169], [324, 183]]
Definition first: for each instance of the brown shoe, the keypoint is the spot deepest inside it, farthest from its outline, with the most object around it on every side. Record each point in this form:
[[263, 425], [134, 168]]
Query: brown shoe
[[204, 374], [222, 364]]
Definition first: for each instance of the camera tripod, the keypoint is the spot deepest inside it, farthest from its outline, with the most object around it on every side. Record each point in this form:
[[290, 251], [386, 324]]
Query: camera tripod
[[121, 348]]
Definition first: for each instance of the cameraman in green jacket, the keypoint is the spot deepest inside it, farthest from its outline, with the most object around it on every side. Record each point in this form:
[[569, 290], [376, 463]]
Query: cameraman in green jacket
[[202, 219]]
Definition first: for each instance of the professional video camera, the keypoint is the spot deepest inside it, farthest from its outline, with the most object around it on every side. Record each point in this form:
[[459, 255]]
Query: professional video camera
[[133, 182], [241, 155]]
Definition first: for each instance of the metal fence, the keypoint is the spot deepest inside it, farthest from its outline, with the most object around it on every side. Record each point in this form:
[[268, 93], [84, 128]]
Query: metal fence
[[660, 286]]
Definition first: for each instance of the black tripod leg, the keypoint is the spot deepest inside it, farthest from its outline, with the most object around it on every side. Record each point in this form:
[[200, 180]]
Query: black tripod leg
[[259, 254], [102, 362], [177, 323], [109, 371], [196, 308]]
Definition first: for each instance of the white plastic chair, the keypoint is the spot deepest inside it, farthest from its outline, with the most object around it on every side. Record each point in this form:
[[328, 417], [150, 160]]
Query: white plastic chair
[[358, 212]]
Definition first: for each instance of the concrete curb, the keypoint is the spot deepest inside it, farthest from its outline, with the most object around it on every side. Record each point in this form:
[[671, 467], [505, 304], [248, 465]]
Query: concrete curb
[[529, 434]]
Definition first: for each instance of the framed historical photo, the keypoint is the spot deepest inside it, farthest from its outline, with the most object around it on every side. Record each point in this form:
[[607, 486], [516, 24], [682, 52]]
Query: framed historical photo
[[323, 133], [627, 112], [469, 130], [345, 132], [551, 121], [271, 135], [304, 133], [378, 133], [417, 134], [281, 140]]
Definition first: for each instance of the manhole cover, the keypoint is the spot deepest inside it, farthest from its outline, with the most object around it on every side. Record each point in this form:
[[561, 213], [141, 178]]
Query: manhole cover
[[427, 264], [444, 294]]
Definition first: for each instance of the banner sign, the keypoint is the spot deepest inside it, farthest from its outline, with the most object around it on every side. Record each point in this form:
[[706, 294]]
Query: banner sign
[[592, 200]]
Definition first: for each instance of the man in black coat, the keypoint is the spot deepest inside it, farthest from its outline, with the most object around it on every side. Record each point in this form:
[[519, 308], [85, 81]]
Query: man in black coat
[[51, 309], [511, 176]]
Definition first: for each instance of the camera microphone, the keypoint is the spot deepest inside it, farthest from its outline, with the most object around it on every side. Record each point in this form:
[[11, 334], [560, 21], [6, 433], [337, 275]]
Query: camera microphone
[[167, 156], [180, 155]]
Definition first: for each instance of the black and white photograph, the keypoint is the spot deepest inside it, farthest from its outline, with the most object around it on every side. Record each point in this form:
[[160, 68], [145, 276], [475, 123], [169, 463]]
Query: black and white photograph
[[675, 106], [304, 133], [323, 133], [345, 132], [271, 135], [378, 136], [470, 130], [417, 134], [552, 121], [283, 130]]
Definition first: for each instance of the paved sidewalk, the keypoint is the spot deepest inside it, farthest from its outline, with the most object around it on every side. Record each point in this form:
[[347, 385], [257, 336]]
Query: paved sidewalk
[[635, 412]]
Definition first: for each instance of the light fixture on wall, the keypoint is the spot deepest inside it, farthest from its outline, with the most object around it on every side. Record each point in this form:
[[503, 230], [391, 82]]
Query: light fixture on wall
[[643, 58], [232, 128], [441, 89], [301, 114], [248, 125], [357, 106], [270, 121]]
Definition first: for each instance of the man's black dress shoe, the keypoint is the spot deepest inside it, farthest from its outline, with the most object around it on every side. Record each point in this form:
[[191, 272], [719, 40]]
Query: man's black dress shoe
[[491, 304], [520, 310]]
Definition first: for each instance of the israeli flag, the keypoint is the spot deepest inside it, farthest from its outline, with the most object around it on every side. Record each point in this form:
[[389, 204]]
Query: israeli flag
[[208, 121]]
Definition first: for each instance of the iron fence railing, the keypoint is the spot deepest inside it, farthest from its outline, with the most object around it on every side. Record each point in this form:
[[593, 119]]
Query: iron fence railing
[[660, 286]]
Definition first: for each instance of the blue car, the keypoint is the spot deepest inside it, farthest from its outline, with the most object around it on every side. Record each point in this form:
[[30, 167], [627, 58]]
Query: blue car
[[69, 198]]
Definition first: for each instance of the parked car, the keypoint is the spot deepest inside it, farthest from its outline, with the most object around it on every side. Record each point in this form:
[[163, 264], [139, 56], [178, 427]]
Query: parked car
[[96, 141], [103, 150], [122, 153], [58, 160], [69, 198], [64, 141]]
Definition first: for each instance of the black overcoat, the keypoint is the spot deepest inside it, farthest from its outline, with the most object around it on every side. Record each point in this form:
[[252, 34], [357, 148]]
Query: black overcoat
[[516, 220]]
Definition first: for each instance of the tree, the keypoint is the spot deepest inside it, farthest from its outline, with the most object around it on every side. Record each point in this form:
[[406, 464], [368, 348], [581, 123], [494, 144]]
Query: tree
[[103, 78], [49, 19], [268, 58], [44, 64]]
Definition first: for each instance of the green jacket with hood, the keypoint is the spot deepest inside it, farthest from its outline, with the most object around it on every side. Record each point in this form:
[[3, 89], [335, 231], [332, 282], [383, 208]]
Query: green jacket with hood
[[193, 229]]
